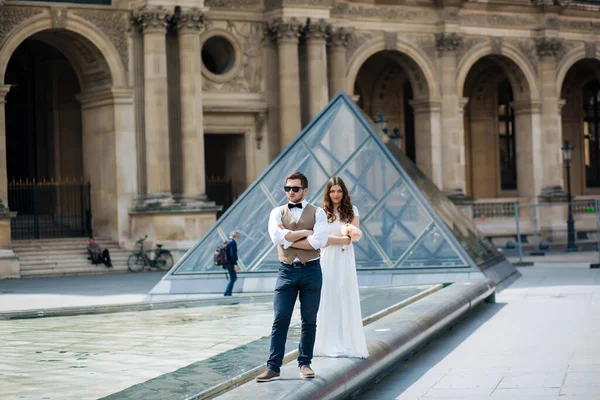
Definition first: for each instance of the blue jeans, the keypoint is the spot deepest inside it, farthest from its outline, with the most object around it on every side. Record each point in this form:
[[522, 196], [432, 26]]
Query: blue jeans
[[232, 279], [291, 282]]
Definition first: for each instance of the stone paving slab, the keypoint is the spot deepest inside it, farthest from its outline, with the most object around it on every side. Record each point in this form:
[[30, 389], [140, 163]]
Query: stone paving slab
[[178, 351], [539, 341], [75, 291]]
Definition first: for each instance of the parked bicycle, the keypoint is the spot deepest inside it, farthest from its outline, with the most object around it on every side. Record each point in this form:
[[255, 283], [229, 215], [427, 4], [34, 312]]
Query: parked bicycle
[[163, 259]]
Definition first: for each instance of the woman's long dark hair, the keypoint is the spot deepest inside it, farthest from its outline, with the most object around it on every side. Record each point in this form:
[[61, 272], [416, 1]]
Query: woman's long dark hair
[[345, 208]]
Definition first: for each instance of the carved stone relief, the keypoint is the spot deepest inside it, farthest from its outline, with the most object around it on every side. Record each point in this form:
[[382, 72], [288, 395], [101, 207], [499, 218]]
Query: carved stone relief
[[425, 43], [289, 29], [358, 38], [319, 30], [339, 37], [548, 47], [467, 44], [579, 25], [493, 20], [232, 4], [114, 25], [10, 17], [280, 3], [152, 17], [590, 49], [58, 16], [448, 42], [496, 43], [250, 76], [528, 48], [568, 46], [192, 19], [343, 10]]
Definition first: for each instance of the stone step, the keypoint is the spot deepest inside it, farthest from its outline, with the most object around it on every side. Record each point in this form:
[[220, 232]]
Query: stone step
[[38, 242], [73, 266], [64, 272], [122, 260], [66, 256], [64, 253], [65, 245]]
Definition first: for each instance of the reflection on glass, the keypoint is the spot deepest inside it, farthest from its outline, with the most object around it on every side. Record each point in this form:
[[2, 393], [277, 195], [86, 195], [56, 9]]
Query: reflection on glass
[[400, 229]]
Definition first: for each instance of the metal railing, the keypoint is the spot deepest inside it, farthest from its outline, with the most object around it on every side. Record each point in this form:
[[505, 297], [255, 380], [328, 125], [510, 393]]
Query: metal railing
[[50, 209], [537, 229]]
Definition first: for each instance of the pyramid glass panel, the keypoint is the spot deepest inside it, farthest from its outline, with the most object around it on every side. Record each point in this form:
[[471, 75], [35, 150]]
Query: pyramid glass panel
[[408, 223]]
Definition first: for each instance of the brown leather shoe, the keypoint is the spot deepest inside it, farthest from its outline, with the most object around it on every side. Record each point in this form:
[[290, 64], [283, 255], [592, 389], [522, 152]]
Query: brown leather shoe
[[306, 372], [267, 376]]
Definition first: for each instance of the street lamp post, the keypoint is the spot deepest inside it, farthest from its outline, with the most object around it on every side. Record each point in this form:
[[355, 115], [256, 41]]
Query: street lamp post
[[381, 122], [567, 153]]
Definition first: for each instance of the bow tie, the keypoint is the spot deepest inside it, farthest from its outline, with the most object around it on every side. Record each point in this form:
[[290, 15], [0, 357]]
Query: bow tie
[[291, 205]]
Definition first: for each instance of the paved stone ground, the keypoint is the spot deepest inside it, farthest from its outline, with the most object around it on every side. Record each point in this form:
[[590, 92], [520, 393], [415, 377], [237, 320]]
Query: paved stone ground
[[160, 354], [541, 340], [75, 291]]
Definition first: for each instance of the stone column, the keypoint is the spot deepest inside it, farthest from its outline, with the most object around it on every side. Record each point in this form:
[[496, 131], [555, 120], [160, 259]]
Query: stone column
[[192, 128], [453, 135], [3, 171], [428, 141], [271, 72], [137, 79], [154, 22], [528, 146], [551, 124], [290, 124], [316, 46], [338, 42]]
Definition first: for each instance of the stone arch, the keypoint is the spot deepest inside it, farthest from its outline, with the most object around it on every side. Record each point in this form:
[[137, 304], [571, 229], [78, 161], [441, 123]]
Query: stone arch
[[105, 113], [519, 71], [571, 58], [418, 111], [415, 63], [579, 127], [91, 42]]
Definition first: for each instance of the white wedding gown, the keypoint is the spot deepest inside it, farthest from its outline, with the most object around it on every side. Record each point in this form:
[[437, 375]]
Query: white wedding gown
[[339, 323]]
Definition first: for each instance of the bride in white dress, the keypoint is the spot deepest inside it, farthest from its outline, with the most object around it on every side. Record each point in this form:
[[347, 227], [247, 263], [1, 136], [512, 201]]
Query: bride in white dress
[[339, 323]]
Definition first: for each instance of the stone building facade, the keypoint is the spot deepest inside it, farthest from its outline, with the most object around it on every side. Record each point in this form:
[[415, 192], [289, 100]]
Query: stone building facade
[[150, 100]]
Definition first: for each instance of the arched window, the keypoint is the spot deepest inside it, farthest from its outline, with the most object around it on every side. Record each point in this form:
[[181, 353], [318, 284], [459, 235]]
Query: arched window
[[506, 139], [591, 132]]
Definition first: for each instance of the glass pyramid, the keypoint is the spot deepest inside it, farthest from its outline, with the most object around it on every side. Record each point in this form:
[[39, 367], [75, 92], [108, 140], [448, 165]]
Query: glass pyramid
[[407, 222]]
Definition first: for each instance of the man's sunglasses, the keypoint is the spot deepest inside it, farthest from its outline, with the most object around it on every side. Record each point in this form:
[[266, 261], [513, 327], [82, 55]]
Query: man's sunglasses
[[294, 189]]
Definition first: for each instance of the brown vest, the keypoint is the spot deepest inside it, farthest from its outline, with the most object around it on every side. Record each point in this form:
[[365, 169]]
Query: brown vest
[[307, 221]]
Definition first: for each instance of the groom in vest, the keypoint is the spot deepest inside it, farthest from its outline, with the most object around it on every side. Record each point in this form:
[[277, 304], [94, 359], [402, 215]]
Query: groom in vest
[[304, 226]]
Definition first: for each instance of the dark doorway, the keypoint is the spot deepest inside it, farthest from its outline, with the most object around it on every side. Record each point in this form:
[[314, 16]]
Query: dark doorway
[[44, 145], [225, 156], [43, 117]]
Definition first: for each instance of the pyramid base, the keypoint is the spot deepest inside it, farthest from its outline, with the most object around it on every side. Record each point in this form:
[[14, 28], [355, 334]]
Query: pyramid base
[[187, 286]]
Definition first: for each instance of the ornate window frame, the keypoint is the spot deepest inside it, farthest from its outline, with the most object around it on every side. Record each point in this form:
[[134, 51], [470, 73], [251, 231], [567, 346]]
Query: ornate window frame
[[237, 53]]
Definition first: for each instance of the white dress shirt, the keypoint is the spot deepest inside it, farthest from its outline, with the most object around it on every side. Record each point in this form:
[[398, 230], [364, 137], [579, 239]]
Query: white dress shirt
[[317, 240]]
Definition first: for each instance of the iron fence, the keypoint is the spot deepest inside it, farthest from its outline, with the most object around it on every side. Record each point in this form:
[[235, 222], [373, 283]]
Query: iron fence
[[50, 209], [537, 229]]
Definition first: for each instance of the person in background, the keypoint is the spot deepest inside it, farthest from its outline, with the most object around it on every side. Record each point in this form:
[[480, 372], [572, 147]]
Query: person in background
[[232, 267], [98, 254]]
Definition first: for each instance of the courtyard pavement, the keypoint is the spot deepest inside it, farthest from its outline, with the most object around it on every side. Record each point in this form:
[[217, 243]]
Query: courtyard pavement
[[541, 340], [160, 354]]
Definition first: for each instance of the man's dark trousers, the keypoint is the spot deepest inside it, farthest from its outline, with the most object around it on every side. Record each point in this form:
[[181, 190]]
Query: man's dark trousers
[[291, 282], [232, 279]]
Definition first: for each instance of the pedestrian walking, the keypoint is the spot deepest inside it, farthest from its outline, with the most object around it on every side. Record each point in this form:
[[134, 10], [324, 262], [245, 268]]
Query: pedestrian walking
[[232, 267]]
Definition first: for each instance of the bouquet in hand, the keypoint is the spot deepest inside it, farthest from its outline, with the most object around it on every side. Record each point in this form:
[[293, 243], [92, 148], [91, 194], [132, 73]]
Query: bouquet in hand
[[351, 231]]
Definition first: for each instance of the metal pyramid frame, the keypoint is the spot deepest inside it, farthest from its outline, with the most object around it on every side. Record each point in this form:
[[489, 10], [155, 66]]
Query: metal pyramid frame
[[408, 223]]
